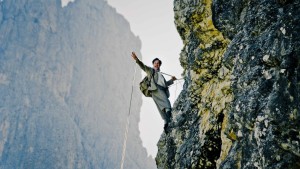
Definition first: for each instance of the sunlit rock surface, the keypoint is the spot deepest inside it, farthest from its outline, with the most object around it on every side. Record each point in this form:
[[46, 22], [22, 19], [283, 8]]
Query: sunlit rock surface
[[195, 136], [240, 104], [65, 83]]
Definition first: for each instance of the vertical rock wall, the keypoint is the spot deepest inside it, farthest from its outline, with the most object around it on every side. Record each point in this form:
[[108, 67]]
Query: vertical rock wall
[[194, 140], [264, 56], [239, 108]]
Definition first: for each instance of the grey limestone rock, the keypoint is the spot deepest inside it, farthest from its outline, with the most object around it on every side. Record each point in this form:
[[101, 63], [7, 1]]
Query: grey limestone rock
[[264, 56], [240, 104]]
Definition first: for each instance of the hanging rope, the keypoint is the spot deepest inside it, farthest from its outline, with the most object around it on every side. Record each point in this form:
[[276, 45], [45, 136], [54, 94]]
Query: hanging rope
[[175, 92], [127, 124], [179, 82]]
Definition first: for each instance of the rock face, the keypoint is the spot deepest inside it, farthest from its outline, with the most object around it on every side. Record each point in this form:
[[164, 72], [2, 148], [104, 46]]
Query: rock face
[[240, 106], [63, 79], [264, 55], [194, 140]]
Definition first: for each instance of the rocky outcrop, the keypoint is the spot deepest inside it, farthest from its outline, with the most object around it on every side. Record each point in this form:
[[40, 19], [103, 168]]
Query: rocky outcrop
[[61, 104], [194, 139], [264, 56], [239, 108]]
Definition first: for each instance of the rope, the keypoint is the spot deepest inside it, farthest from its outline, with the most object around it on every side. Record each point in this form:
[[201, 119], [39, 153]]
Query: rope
[[127, 124], [165, 74], [179, 82], [170, 75], [175, 92]]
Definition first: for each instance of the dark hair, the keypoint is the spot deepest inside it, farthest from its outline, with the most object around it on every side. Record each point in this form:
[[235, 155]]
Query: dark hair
[[156, 60]]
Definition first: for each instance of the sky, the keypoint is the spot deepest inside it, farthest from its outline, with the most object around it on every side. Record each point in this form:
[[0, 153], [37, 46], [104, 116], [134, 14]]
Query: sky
[[153, 22]]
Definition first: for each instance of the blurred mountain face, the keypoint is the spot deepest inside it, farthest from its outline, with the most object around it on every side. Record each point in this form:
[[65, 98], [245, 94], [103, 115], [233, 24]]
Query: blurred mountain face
[[65, 83]]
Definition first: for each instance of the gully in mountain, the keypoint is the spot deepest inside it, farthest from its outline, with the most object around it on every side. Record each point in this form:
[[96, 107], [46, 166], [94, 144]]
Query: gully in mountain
[[158, 87]]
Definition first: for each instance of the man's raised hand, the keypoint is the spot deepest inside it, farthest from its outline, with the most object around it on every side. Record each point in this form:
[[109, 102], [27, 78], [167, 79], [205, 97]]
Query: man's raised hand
[[133, 55]]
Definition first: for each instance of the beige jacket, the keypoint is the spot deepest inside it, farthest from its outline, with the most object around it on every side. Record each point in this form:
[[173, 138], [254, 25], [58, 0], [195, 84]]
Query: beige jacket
[[154, 85]]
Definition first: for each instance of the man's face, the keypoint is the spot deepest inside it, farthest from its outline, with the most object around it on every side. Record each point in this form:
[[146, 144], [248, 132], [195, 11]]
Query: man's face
[[156, 65]]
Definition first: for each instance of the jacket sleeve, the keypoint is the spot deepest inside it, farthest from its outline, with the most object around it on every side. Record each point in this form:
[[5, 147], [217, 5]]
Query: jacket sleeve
[[145, 68], [170, 82]]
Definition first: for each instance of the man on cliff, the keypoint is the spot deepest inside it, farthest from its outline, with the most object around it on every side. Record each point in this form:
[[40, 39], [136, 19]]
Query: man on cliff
[[158, 88]]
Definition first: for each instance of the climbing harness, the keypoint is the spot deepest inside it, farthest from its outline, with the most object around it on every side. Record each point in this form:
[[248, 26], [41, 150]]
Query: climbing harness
[[127, 124]]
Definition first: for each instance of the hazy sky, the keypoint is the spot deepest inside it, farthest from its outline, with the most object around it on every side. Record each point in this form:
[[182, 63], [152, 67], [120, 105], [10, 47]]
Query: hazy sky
[[153, 22]]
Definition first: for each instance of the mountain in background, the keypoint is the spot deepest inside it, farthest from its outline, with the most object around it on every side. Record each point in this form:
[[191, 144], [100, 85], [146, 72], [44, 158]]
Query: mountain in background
[[65, 83]]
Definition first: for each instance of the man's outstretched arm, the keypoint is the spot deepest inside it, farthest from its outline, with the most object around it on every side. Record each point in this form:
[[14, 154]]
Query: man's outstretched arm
[[145, 68], [170, 82]]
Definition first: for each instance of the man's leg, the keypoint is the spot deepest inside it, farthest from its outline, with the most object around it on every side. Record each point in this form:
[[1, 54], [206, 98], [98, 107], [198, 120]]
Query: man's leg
[[167, 112], [163, 104]]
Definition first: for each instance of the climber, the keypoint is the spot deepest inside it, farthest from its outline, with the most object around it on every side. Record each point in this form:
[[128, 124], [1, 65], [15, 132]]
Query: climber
[[159, 88]]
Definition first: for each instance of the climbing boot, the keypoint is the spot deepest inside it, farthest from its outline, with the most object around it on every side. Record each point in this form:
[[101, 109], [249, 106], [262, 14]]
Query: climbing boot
[[168, 121], [166, 127], [168, 115]]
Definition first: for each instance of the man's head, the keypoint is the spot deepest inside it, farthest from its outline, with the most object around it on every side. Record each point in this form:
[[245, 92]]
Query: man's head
[[156, 63]]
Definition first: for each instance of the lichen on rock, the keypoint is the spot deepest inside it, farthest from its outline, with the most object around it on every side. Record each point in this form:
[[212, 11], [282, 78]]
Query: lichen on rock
[[239, 107], [195, 136]]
